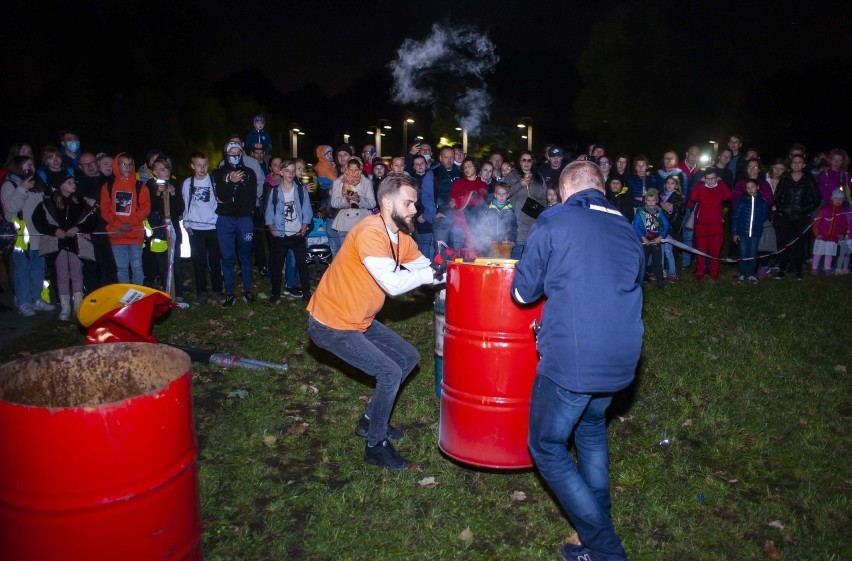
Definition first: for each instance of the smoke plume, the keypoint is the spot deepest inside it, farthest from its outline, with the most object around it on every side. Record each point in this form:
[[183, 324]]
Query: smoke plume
[[452, 57]]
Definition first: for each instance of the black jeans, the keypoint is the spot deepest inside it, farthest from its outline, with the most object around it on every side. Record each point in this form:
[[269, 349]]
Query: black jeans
[[379, 352], [204, 245], [787, 230], [278, 254], [656, 252]]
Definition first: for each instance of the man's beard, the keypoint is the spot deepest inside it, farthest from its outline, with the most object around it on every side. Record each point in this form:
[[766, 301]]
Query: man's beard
[[406, 226]]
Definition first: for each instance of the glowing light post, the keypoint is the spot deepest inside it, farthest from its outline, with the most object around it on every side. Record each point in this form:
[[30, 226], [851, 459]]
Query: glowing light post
[[377, 131], [715, 149], [408, 119], [346, 137], [295, 131], [527, 122], [464, 138]]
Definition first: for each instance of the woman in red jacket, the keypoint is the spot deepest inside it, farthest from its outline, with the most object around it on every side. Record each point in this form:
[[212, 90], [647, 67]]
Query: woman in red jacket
[[709, 195], [466, 194]]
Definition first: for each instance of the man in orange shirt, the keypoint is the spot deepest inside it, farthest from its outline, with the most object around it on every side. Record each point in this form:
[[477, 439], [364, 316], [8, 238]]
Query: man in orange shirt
[[378, 257]]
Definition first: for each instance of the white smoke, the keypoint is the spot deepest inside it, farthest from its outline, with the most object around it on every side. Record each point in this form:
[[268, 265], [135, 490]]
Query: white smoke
[[450, 54]]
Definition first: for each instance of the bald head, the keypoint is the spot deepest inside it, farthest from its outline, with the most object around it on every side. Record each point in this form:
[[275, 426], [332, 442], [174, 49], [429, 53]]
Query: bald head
[[579, 176]]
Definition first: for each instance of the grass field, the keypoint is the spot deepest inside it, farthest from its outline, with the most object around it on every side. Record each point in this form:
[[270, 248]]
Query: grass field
[[749, 384]]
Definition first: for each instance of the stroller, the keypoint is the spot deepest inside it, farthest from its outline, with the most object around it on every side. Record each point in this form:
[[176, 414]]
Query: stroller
[[319, 252]]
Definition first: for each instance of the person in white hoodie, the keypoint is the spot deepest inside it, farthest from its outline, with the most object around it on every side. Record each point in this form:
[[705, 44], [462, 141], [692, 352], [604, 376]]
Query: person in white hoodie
[[199, 221]]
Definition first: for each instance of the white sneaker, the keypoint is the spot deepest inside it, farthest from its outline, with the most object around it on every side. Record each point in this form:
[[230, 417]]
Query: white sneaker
[[42, 306], [26, 310]]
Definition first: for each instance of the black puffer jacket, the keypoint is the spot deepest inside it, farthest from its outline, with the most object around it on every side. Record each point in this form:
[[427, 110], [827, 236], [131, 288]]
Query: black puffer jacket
[[796, 199]]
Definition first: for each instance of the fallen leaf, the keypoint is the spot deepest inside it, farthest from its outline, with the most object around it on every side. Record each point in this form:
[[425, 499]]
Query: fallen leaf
[[573, 539], [776, 524], [626, 418], [428, 482], [298, 429], [713, 339], [840, 369], [732, 481], [710, 356], [687, 423], [466, 536], [270, 440], [413, 468], [519, 496], [364, 398], [771, 551], [313, 389]]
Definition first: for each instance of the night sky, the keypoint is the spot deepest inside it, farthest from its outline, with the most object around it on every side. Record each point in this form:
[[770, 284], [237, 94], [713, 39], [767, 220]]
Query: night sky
[[638, 76]]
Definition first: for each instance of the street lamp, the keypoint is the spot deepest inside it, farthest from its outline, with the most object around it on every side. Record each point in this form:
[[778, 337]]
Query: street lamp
[[715, 149], [346, 137], [295, 131], [408, 119], [527, 122], [464, 138], [383, 124]]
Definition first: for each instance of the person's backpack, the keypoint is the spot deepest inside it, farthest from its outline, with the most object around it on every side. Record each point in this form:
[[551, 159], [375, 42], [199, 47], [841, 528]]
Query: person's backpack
[[301, 189]]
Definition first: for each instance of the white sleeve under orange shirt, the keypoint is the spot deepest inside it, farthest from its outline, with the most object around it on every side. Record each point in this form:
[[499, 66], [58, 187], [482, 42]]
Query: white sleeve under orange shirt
[[352, 290]]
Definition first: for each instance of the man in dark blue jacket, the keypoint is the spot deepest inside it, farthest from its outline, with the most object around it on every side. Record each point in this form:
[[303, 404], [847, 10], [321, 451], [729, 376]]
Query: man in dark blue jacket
[[587, 260]]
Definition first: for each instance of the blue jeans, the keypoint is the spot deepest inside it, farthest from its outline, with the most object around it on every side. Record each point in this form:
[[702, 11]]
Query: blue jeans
[[441, 230], [290, 279], [668, 258], [27, 276], [518, 250], [379, 352], [687, 234], [748, 249], [582, 488], [235, 231], [425, 244], [335, 239], [128, 255]]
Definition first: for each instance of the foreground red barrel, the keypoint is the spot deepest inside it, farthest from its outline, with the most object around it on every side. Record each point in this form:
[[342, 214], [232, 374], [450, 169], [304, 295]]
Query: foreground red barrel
[[98, 456], [490, 361]]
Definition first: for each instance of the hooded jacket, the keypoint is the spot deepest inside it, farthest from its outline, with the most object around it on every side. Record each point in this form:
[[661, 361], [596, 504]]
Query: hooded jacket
[[235, 199], [81, 213], [325, 170], [124, 200], [589, 264]]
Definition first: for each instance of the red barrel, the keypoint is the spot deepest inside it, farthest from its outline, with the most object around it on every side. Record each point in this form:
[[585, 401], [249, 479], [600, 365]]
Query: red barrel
[[490, 361], [98, 455]]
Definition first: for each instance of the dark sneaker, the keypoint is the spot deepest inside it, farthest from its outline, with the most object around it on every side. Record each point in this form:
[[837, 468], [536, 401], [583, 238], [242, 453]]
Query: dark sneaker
[[780, 275], [229, 300], [571, 552], [741, 278], [362, 429], [384, 456], [274, 300], [752, 279], [201, 298], [264, 272], [294, 291], [248, 297], [217, 297]]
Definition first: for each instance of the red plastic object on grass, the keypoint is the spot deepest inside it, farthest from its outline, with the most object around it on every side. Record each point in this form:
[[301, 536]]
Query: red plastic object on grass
[[98, 456], [123, 313], [490, 362]]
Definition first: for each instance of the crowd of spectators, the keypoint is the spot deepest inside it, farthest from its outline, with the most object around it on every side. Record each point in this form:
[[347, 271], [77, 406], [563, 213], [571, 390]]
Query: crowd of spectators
[[85, 220]]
